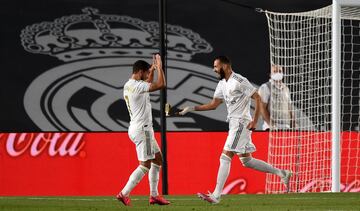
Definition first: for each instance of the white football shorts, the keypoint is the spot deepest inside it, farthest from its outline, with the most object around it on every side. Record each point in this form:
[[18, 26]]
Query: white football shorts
[[239, 137], [145, 142]]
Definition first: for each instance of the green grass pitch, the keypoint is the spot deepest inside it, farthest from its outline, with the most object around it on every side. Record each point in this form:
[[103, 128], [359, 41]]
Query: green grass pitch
[[304, 201]]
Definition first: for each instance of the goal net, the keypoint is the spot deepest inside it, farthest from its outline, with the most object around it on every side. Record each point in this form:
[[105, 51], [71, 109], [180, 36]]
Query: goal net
[[300, 43]]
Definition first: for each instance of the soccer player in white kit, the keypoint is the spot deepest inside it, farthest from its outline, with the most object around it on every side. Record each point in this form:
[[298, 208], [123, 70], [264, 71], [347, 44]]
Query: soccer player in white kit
[[141, 133], [236, 91]]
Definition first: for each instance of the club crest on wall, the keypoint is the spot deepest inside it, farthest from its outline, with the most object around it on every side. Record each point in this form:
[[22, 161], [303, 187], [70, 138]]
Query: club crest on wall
[[98, 50]]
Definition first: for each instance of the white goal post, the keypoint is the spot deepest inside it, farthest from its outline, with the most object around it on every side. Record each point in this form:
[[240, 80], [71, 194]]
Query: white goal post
[[336, 86], [319, 52]]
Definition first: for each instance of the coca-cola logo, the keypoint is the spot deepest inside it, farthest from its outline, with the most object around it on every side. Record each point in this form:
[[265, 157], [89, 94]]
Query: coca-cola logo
[[238, 186], [54, 144], [316, 185]]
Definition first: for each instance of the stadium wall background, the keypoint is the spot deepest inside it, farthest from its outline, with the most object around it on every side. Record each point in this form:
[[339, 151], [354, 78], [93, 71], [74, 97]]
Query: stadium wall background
[[85, 164], [64, 62], [63, 71]]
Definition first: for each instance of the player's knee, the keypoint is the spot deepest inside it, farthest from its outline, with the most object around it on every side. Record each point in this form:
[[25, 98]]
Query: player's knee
[[157, 162], [158, 159], [228, 153], [144, 169], [224, 158], [245, 160], [145, 165]]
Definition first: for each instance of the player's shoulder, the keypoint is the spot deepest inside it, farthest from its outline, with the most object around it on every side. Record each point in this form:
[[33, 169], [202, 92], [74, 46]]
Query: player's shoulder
[[132, 85], [237, 77], [128, 83], [132, 82], [221, 82]]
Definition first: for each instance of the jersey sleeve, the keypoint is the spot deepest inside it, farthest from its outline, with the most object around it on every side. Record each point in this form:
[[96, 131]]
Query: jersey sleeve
[[218, 91], [247, 88], [264, 93], [142, 87]]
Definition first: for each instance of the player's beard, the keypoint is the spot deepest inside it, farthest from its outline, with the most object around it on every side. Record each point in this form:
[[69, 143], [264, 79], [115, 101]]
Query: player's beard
[[221, 74]]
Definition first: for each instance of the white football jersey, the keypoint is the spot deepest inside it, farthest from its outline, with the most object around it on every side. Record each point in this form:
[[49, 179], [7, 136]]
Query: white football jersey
[[236, 92], [137, 97]]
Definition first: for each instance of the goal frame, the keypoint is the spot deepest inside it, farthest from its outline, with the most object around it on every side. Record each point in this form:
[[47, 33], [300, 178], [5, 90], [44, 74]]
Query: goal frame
[[336, 89]]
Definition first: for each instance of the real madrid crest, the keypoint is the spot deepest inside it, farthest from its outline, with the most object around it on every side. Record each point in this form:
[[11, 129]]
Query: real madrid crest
[[98, 50]]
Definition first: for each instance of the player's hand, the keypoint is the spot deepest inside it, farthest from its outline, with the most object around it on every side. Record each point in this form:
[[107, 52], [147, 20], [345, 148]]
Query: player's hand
[[251, 125], [157, 62], [152, 68], [186, 110]]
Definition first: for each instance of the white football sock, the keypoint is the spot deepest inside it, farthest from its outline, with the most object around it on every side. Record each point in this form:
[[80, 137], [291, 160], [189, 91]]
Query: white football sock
[[134, 179], [154, 179], [223, 173], [260, 165]]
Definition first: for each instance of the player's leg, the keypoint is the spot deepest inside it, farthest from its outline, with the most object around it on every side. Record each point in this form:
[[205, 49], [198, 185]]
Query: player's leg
[[154, 174], [224, 167], [230, 149], [248, 161], [134, 179], [223, 173], [225, 158], [244, 149], [144, 156]]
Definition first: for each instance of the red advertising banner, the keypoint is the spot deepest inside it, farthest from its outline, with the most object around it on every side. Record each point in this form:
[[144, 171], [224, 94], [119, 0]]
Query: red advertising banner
[[100, 163], [79, 164], [194, 161]]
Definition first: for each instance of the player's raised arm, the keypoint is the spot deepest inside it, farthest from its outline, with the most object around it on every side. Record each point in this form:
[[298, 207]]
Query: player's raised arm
[[160, 82], [150, 78], [212, 105]]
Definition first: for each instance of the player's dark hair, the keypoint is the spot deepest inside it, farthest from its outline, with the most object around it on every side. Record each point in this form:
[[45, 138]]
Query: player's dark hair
[[223, 59], [140, 65]]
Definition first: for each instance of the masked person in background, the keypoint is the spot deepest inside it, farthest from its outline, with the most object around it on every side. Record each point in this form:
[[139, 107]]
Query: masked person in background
[[276, 102]]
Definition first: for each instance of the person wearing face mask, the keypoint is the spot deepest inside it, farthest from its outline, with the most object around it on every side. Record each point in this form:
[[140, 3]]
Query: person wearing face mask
[[236, 91], [276, 102]]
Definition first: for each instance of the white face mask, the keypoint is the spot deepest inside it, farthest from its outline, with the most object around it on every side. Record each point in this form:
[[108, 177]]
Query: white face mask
[[277, 76]]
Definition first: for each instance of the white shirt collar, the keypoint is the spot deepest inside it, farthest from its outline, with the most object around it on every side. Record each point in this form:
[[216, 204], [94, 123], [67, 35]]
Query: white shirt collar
[[231, 75]]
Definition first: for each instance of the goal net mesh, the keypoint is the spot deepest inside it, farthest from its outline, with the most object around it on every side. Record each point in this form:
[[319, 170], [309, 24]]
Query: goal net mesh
[[300, 43]]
